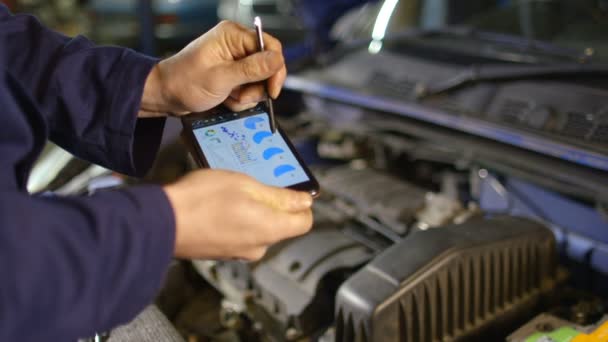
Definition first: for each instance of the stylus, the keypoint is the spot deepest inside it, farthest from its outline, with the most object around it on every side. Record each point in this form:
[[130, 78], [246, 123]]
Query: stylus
[[257, 22]]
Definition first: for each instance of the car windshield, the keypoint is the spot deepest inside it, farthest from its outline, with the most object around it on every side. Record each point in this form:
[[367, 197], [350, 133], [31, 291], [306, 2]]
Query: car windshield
[[565, 27]]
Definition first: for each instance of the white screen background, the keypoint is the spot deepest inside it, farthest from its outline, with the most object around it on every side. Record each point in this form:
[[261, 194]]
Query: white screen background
[[246, 145]]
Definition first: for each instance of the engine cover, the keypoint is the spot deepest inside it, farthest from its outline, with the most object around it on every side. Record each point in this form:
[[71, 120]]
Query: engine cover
[[294, 289], [392, 202], [448, 284]]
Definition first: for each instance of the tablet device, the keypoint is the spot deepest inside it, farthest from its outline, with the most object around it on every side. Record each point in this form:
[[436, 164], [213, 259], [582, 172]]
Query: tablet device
[[243, 142]]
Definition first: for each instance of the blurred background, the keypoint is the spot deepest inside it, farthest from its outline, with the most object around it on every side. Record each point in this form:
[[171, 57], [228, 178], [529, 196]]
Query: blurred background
[[316, 33], [160, 27]]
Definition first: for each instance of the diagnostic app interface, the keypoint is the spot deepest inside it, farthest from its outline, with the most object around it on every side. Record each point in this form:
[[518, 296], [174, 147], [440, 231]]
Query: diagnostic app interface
[[246, 145]]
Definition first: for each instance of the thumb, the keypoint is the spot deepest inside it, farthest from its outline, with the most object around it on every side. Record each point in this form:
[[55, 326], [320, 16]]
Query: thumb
[[282, 199], [254, 68]]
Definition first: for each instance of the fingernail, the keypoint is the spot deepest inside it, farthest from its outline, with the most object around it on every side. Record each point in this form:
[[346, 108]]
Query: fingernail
[[248, 100], [304, 200], [252, 99], [276, 94]]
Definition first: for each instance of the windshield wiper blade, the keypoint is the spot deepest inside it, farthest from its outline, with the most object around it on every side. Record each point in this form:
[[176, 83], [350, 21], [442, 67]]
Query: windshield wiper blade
[[520, 44], [514, 41], [493, 73]]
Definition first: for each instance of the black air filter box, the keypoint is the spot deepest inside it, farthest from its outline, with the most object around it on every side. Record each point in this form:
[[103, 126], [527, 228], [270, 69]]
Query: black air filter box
[[449, 283]]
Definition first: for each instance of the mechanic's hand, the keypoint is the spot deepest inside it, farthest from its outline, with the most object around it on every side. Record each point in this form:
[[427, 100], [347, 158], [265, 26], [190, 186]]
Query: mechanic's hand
[[222, 66], [223, 215]]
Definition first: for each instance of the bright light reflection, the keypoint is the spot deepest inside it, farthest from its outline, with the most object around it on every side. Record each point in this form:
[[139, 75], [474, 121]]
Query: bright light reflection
[[375, 46], [381, 25]]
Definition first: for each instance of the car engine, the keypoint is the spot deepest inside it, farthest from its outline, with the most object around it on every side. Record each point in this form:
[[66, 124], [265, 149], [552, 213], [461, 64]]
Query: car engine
[[414, 239], [419, 235], [390, 258]]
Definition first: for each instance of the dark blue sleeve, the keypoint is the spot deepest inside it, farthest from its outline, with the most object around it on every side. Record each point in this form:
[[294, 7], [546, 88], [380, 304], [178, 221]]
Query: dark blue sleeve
[[72, 266], [89, 95]]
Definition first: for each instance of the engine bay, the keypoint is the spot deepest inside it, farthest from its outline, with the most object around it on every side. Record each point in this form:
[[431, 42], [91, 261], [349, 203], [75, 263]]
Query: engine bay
[[413, 240], [421, 233]]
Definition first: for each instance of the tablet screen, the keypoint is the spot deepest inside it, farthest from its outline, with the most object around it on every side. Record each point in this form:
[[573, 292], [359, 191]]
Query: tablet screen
[[245, 144]]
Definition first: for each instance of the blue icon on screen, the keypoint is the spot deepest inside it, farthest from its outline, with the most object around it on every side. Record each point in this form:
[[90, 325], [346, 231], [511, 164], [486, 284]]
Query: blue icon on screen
[[259, 136], [252, 122], [283, 169], [271, 152]]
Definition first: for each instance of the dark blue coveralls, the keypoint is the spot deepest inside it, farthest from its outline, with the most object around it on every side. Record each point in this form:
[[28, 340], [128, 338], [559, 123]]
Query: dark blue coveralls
[[72, 266]]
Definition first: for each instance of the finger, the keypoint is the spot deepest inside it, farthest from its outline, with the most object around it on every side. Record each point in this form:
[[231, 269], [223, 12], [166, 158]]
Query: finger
[[252, 93], [236, 93], [275, 83], [244, 41], [247, 94], [238, 39], [280, 225], [272, 44], [237, 106], [254, 68], [281, 199], [299, 223], [255, 254]]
